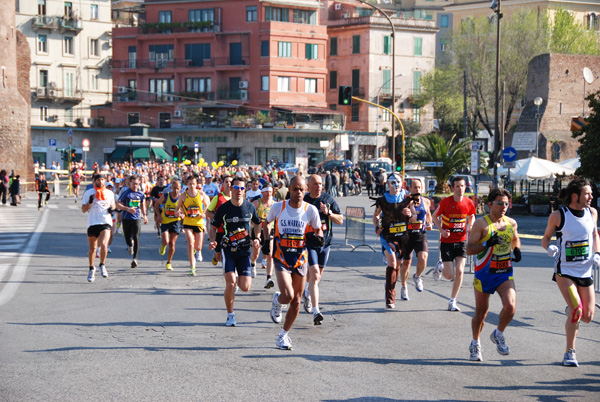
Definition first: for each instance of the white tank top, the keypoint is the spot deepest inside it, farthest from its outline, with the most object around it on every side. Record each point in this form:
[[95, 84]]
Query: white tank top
[[575, 244]]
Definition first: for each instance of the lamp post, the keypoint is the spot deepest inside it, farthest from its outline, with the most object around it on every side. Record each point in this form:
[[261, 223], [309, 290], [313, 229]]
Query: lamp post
[[496, 155], [393, 108], [378, 115], [537, 101]]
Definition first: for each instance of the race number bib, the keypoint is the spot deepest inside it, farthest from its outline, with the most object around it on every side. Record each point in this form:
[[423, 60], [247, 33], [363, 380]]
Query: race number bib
[[500, 264], [457, 225], [193, 211], [578, 250]]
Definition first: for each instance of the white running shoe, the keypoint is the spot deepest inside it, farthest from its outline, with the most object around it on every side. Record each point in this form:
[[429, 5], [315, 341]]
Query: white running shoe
[[103, 271], [284, 342], [418, 282], [130, 250], [276, 308], [308, 307], [264, 263], [437, 271], [199, 256], [269, 284], [452, 306], [570, 359], [254, 271], [500, 343], [134, 263], [92, 275], [404, 293], [475, 353], [97, 252], [390, 305], [230, 320]]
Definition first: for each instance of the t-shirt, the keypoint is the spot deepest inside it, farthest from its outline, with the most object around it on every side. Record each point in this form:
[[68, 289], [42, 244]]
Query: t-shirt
[[236, 226], [454, 218], [98, 212], [156, 192], [210, 189], [330, 202], [132, 199], [251, 194]]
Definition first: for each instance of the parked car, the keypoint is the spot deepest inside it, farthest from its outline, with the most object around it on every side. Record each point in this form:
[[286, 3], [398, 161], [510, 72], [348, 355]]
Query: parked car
[[330, 164], [374, 165], [288, 167]]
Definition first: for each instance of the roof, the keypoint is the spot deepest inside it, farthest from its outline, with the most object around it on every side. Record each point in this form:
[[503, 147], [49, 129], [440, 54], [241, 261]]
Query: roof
[[309, 110]]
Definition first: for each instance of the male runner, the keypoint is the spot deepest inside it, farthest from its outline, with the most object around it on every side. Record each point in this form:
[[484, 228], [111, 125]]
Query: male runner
[[218, 200], [292, 220], [170, 225], [41, 186], [235, 217], [577, 249], [491, 239], [417, 240], [131, 203], [263, 206], [75, 181], [329, 211], [210, 188], [254, 191], [454, 218], [99, 202], [155, 194]]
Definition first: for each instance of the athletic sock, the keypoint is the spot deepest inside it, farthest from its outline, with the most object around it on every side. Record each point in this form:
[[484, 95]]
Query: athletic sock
[[475, 342], [91, 268], [316, 311], [499, 333], [283, 332]]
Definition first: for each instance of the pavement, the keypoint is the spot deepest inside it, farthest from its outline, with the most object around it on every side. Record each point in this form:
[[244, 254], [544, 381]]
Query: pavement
[[148, 334]]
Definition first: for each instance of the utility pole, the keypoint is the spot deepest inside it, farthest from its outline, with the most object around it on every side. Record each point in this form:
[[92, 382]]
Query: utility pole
[[497, 150]]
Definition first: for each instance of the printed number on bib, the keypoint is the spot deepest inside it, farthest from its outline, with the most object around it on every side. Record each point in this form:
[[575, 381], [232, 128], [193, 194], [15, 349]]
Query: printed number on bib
[[193, 211], [415, 226], [398, 228], [500, 264], [170, 212], [457, 225], [238, 237], [291, 244], [578, 250]]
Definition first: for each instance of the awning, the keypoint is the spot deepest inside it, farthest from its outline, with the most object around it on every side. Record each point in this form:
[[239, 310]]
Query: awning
[[161, 154], [141, 153], [309, 110], [118, 154]]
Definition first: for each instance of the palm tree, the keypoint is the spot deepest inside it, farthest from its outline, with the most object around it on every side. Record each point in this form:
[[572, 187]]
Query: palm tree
[[435, 148]]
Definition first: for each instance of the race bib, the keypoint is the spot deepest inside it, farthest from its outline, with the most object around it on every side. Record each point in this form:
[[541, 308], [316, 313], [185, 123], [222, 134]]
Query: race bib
[[457, 225], [193, 211], [578, 250], [292, 244], [134, 203], [415, 226], [238, 238], [324, 225], [398, 228], [170, 212]]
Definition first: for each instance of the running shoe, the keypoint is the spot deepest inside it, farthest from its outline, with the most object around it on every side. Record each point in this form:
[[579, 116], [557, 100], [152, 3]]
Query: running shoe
[[264, 263], [500, 343], [452, 306], [284, 342], [214, 261], [162, 249], [97, 252], [134, 263], [404, 293], [193, 271], [130, 249], [199, 256], [230, 320], [317, 318], [276, 308], [269, 284], [308, 307], [437, 271], [108, 249], [570, 359], [235, 290], [169, 267], [418, 282], [103, 271], [475, 350], [390, 305], [92, 275], [254, 270]]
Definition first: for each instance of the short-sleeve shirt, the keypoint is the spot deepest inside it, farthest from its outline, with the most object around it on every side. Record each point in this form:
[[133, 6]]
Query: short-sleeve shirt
[[98, 212], [333, 206], [132, 199], [454, 218], [236, 226]]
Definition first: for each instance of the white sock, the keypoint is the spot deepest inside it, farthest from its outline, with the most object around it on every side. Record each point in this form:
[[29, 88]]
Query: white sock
[[316, 311], [475, 342], [499, 333], [230, 314], [452, 299], [283, 332]]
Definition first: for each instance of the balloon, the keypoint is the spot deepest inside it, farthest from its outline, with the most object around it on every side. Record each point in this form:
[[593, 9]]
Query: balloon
[[187, 162], [234, 163], [214, 165], [205, 164], [221, 163], [200, 161]]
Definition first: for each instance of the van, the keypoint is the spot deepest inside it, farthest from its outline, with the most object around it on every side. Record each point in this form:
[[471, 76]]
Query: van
[[374, 165]]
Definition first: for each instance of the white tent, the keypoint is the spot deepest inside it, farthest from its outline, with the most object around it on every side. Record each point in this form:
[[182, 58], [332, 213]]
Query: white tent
[[572, 163], [534, 168]]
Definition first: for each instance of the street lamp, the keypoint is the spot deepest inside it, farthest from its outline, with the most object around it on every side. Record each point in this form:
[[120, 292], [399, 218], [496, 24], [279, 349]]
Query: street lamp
[[496, 155], [378, 115], [538, 102]]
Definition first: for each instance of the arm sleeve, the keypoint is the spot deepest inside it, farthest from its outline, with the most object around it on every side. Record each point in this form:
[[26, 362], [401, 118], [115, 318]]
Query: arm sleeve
[[335, 208]]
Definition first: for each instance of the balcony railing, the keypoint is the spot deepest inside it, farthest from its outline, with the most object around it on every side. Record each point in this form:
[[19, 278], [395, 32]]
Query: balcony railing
[[44, 22], [180, 63], [70, 24], [58, 94], [162, 98]]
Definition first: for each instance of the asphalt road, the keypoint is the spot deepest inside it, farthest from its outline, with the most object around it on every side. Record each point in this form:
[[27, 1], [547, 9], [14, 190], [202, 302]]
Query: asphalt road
[[147, 334]]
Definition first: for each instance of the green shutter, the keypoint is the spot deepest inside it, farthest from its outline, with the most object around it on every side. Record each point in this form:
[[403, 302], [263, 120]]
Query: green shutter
[[418, 46], [356, 44], [387, 82], [416, 82], [386, 44]]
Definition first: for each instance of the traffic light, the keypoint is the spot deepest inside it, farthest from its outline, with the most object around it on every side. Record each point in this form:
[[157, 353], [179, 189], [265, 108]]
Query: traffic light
[[175, 150], [345, 96], [184, 153], [398, 162], [73, 155]]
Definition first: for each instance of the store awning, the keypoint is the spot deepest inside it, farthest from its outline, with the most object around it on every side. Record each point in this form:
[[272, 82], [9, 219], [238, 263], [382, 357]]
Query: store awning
[[118, 154], [141, 153], [161, 154], [309, 110]]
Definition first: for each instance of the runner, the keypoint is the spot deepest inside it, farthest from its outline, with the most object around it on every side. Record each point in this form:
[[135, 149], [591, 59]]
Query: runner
[[254, 192], [75, 181], [491, 239], [218, 200], [235, 217], [454, 218], [170, 224], [329, 211], [41, 186], [292, 220], [192, 206], [99, 202], [131, 203], [263, 206], [576, 239], [417, 240], [210, 188], [155, 193]]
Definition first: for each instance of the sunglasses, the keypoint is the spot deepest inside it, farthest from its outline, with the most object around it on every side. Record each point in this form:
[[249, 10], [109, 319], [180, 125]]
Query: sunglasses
[[393, 183], [239, 188], [501, 203]]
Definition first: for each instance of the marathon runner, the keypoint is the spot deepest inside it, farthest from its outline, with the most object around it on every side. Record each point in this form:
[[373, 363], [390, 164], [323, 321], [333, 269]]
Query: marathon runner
[[132, 204], [218, 200], [170, 225]]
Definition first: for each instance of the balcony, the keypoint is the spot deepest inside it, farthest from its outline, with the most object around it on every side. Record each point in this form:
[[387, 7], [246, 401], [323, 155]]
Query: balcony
[[58, 94], [44, 22], [180, 63], [133, 96], [179, 27], [68, 24]]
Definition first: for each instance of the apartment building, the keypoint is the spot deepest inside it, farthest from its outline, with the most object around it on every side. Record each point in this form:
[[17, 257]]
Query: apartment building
[[70, 44]]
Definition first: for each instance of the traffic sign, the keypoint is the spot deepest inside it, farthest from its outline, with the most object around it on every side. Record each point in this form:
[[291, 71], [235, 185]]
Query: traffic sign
[[509, 154], [476, 146], [432, 164], [509, 165], [70, 132], [196, 147], [52, 143], [85, 142]]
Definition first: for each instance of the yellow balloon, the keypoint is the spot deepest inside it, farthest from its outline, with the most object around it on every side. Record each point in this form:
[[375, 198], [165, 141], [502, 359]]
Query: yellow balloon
[[205, 164], [214, 164], [200, 161], [187, 162], [221, 163], [234, 163]]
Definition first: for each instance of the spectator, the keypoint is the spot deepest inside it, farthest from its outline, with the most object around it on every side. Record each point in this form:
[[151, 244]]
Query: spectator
[[282, 191], [15, 191], [327, 181], [3, 186], [369, 180]]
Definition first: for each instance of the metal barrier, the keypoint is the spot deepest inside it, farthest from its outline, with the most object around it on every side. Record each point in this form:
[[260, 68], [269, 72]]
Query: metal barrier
[[356, 227]]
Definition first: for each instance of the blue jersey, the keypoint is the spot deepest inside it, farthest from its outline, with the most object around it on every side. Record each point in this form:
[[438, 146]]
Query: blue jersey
[[132, 199]]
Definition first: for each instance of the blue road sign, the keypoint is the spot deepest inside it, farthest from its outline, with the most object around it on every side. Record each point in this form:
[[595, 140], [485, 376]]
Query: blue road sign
[[196, 146], [509, 154], [52, 142], [70, 132]]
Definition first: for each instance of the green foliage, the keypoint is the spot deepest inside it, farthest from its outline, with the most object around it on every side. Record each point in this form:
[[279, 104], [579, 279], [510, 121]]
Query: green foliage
[[570, 37], [411, 128], [589, 138]]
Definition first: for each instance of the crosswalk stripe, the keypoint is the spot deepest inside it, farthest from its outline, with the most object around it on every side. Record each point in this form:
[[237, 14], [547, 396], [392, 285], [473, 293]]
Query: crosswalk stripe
[[4, 255]]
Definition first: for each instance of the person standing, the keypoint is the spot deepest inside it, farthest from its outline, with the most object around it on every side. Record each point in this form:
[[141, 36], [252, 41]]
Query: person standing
[[577, 249], [454, 218], [170, 224], [41, 186], [327, 184], [240, 222], [281, 192], [99, 203], [292, 219], [492, 238], [15, 190], [132, 204], [369, 181], [3, 186], [329, 212]]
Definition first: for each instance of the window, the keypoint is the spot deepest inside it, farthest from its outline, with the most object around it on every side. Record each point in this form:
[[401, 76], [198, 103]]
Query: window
[[160, 52], [43, 113], [132, 90], [277, 14], [285, 49], [162, 87], [93, 11], [164, 120], [355, 81], [443, 45], [68, 45], [196, 53], [444, 21], [416, 82], [312, 51], [251, 13], [418, 46], [94, 80], [416, 114], [366, 152], [201, 15], [386, 87], [164, 16], [133, 118], [69, 84], [385, 115], [264, 48], [69, 115], [333, 80], [283, 84], [198, 85], [43, 78], [355, 108], [42, 44], [41, 7], [333, 46], [132, 56], [387, 44], [556, 151], [305, 17], [94, 48], [68, 9], [264, 83], [333, 106], [356, 44], [310, 85]]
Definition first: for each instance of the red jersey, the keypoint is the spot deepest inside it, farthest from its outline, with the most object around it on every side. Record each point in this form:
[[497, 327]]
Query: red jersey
[[454, 218]]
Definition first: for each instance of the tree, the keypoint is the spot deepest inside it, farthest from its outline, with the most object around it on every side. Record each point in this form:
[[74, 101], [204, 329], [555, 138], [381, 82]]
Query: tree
[[570, 37], [434, 148], [589, 138]]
